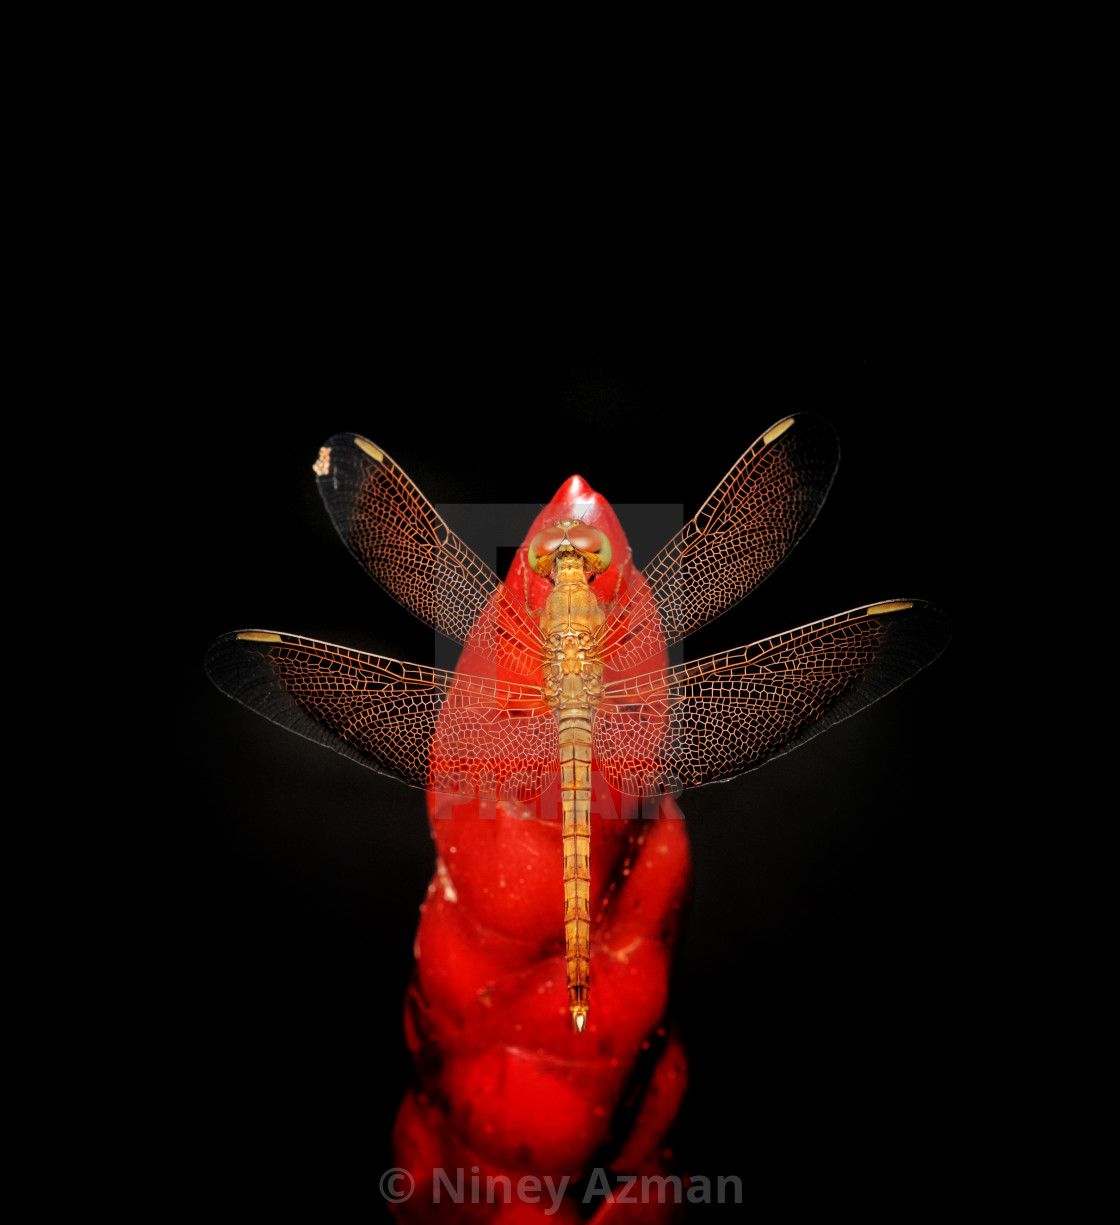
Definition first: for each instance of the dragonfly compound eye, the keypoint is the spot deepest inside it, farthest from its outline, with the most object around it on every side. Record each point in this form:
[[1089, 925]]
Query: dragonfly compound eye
[[542, 549], [591, 545]]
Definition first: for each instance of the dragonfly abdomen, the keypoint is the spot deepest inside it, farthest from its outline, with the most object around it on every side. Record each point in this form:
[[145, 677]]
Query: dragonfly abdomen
[[575, 798], [570, 622]]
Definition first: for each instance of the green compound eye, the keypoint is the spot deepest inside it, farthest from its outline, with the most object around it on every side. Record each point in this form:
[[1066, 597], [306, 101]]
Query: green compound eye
[[539, 566], [591, 545], [542, 550]]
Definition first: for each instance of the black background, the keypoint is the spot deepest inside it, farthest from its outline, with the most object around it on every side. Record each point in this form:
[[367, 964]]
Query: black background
[[827, 979]]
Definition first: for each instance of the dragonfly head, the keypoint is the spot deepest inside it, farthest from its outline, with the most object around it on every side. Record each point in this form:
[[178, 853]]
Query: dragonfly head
[[572, 538]]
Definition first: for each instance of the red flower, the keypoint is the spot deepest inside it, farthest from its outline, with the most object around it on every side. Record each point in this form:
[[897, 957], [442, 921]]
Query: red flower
[[506, 1090]]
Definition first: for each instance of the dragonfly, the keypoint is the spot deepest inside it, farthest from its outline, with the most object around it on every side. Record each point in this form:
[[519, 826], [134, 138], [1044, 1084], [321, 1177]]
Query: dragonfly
[[571, 680]]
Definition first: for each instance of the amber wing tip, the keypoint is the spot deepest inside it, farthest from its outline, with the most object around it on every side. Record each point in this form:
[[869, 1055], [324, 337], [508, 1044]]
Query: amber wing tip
[[776, 431], [364, 444], [889, 607]]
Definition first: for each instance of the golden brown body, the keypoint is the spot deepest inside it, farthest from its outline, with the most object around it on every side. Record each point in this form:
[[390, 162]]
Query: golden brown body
[[570, 622]]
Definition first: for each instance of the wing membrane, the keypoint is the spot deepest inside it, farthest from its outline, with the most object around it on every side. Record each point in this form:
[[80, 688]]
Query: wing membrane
[[396, 534], [715, 718], [741, 534], [433, 729]]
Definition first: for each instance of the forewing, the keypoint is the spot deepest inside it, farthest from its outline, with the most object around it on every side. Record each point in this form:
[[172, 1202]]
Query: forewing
[[442, 731], [397, 535], [741, 534], [714, 718]]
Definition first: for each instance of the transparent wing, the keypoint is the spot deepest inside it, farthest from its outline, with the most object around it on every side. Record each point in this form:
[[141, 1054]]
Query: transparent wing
[[741, 534], [715, 718], [396, 534], [438, 730]]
